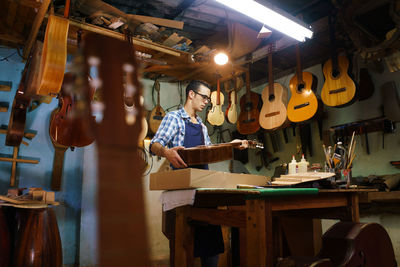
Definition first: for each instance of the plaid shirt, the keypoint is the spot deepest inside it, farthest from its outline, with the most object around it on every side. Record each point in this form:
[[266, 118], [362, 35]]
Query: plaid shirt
[[171, 132]]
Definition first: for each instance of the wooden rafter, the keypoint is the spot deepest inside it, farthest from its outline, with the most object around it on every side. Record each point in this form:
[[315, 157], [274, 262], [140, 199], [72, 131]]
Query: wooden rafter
[[35, 27], [136, 41], [29, 3], [12, 11]]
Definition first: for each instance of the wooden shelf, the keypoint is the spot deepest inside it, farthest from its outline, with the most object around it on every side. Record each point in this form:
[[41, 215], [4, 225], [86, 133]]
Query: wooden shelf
[[391, 196]]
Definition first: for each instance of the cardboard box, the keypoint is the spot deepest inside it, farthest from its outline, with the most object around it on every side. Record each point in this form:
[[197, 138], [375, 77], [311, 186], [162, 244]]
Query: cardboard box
[[198, 178]]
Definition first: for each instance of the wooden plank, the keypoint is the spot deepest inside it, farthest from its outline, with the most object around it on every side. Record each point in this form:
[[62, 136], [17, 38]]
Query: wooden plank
[[392, 196], [29, 3], [183, 239], [30, 134], [12, 12], [309, 202], [220, 217], [354, 208], [259, 233], [32, 161], [223, 13], [284, 42], [13, 38], [4, 106], [159, 21], [35, 28], [136, 41], [22, 14], [5, 86]]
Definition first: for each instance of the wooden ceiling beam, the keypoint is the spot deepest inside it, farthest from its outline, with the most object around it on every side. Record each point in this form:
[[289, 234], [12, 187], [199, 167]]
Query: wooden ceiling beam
[[12, 11], [282, 43], [35, 28], [28, 3], [16, 39], [136, 41], [180, 8]]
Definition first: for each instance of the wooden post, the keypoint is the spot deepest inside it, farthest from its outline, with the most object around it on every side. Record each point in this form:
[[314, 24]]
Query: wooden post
[[183, 239], [14, 159], [259, 233]]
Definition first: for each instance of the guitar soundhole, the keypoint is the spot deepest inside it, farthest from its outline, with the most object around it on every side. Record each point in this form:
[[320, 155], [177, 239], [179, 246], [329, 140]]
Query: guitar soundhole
[[302, 105], [248, 121], [248, 106], [271, 97], [335, 73], [160, 118], [300, 87]]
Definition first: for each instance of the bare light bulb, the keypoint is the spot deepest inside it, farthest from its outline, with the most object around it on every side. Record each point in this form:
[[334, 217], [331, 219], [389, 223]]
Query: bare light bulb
[[221, 59]]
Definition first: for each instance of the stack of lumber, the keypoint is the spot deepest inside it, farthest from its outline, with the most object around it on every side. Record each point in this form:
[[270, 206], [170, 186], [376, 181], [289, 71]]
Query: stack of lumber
[[298, 178]]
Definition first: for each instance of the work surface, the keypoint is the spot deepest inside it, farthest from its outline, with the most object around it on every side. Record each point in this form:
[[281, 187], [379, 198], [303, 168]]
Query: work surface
[[253, 211]]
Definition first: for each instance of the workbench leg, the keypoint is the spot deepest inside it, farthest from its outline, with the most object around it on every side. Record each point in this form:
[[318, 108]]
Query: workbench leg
[[183, 238], [259, 233], [354, 207]]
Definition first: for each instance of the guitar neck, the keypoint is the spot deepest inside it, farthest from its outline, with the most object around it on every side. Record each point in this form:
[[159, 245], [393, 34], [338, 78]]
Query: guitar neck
[[158, 96], [333, 43], [248, 97], [270, 76], [299, 68], [218, 93]]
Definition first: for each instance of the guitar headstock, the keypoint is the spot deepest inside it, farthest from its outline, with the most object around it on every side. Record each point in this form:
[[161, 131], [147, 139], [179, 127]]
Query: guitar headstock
[[255, 144], [113, 67], [157, 85]]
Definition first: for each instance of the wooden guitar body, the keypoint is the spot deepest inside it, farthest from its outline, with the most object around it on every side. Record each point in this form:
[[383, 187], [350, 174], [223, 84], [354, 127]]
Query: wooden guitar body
[[349, 244], [54, 56], [339, 89], [212, 153], [231, 112], [249, 114], [273, 113], [65, 129], [215, 116], [156, 117], [158, 113], [303, 103]]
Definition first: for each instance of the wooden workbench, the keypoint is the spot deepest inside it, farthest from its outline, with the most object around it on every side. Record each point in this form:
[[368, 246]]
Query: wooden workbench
[[254, 210]]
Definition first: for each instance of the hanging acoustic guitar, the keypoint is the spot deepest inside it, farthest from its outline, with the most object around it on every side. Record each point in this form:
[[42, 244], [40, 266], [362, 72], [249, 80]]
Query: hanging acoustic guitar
[[303, 103], [249, 114], [54, 56], [215, 116], [231, 111], [338, 89], [158, 113], [273, 113]]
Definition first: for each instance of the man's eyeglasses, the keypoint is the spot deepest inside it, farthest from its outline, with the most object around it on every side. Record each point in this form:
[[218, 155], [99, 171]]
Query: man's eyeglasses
[[205, 97]]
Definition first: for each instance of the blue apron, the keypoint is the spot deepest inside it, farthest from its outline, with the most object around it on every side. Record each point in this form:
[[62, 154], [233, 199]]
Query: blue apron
[[208, 239], [194, 137]]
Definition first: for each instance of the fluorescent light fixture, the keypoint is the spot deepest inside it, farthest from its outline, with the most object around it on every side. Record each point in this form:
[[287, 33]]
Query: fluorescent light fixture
[[264, 32], [270, 18], [221, 58]]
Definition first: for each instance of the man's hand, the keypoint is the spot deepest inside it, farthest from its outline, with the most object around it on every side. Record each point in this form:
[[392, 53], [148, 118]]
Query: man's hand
[[243, 143], [172, 155]]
